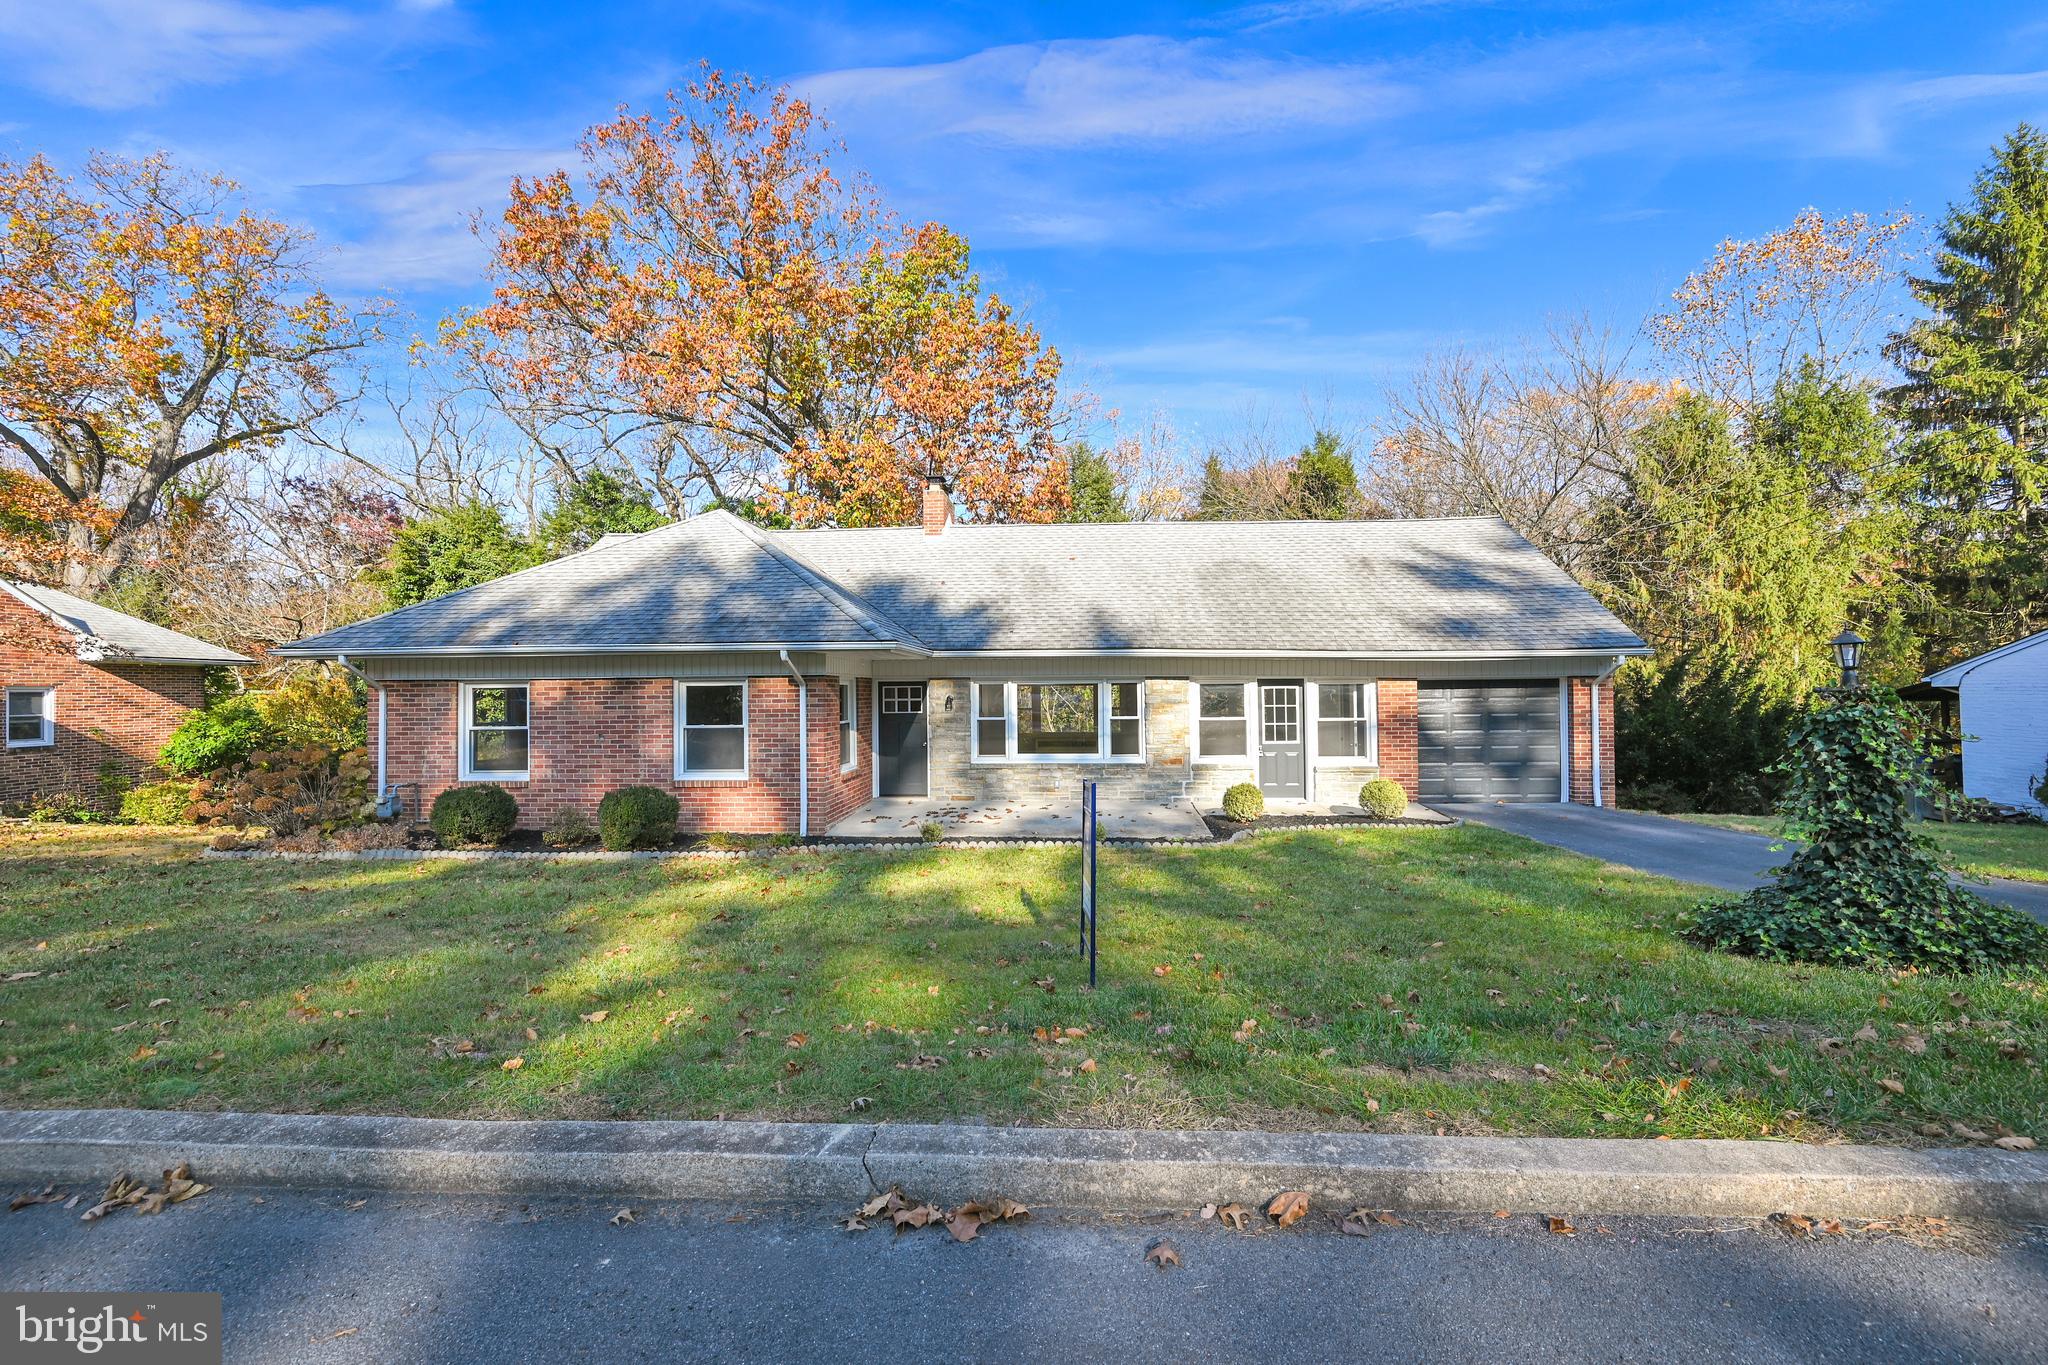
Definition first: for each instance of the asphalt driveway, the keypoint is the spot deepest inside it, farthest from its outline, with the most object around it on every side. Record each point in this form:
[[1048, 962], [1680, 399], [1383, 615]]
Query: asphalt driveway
[[1723, 858]]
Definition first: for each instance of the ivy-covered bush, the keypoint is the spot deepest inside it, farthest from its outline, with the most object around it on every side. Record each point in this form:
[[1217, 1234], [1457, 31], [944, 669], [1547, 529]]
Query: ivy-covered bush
[[1865, 888], [1383, 799], [288, 791], [218, 737], [1244, 803], [637, 817], [157, 803], [482, 814]]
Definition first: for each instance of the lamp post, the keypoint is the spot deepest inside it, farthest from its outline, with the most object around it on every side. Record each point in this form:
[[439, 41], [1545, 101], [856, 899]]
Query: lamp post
[[1848, 647]]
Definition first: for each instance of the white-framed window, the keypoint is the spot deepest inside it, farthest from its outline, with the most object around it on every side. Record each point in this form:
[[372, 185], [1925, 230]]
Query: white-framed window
[[1347, 724], [1059, 722], [1222, 722], [497, 740], [711, 731], [849, 725], [31, 717]]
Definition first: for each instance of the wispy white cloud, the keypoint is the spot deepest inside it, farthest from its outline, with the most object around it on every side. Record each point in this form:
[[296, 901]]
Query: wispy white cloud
[[116, 54], [416, 231]]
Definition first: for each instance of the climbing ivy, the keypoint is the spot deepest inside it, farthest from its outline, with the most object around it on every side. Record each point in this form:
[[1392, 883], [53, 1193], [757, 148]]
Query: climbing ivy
[[1865, 888]]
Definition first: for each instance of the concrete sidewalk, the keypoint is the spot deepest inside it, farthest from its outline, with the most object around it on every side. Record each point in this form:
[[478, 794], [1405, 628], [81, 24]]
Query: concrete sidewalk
[[1726, 858], [1112, 1170]]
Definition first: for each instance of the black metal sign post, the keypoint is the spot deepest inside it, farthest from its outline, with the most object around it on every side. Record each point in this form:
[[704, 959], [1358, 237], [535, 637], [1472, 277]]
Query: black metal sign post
[[1088, 878]]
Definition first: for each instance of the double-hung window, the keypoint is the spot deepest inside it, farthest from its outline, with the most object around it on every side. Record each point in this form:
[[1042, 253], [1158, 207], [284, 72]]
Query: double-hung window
[[1221, 728], [496, 738], [1344, 721], [1059, 722], [849, 725], [711, 730], [31, 717]]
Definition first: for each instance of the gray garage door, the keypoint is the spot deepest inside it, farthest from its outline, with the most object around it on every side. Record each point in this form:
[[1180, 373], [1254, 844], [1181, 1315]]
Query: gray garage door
[[1489, 742]]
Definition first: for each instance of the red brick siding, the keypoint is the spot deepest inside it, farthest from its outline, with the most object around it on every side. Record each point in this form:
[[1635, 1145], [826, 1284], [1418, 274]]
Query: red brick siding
[[836, 794], [591, 735], [1398, 734], [1582, 741], [108, 712]]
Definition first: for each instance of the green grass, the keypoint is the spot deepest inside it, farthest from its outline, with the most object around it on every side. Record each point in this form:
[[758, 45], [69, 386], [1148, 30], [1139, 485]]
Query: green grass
[[1393, 980], [2016, 851]]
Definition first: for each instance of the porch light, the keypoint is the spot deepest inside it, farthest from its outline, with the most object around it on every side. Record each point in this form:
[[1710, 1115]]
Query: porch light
[[1848, 647]]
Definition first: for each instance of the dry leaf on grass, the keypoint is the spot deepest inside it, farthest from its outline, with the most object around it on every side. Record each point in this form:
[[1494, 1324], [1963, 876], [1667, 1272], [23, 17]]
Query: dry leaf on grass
[[1892, 1084], [1288, 1207], [597, 1016], [2015, 1143], [512, 1063], [1163, 1254]]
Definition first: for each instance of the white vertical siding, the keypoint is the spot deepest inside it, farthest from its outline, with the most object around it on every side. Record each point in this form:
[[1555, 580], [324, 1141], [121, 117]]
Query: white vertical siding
[[2005, 726]]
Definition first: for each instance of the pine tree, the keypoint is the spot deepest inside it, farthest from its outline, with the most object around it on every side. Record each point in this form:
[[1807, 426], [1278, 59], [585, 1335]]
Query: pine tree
[[1976, 394], [1095, 494], [1323, 485]]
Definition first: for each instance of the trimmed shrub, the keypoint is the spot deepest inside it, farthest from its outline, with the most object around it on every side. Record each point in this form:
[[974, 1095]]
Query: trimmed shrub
[[637, 817], [1383, 799], [1244, 803], [570, 828], [157, 803], [483, 814], [931, 831], [221, 736]]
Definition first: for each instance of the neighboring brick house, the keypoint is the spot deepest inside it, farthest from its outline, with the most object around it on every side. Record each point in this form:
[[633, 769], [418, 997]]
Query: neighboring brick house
[[779, 680], [86, 687]]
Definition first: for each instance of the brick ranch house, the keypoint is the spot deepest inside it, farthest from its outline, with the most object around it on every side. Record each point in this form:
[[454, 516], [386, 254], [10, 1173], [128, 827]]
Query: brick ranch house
[[86, 686], [776, 681]]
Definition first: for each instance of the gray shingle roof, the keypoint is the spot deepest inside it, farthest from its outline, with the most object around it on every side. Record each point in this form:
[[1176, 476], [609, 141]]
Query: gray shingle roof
[[120, 635], [1454, 585]]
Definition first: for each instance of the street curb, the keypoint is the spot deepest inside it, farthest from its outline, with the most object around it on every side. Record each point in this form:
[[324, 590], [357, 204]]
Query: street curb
[[1111, 1170]]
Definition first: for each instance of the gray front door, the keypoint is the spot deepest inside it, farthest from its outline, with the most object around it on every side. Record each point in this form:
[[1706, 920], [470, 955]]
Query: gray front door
[[1489, 742], [901, 740], [1283, 759]]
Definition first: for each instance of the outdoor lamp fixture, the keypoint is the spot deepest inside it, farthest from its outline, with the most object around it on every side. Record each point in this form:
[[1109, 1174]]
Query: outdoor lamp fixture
[[1848, 647]]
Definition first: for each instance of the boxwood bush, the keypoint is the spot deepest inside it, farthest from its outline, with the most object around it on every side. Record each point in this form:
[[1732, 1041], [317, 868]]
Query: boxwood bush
[[1383, 799], [483, 814], [637, 817], [1244, 803]]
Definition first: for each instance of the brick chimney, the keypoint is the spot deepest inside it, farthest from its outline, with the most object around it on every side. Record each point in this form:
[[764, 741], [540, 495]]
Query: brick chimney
[[938, 505]]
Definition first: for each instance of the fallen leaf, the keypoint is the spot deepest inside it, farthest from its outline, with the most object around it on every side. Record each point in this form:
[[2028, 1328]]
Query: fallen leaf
[[1561, 1228], [1866, 1034], [1088, 1065], [1797, 1224], [597, 1016], [1208, 1211], [1287, 1207], [1233, 1215], [49, 1194], [1356, 1224], [853, 1224], [883, 1203], [1162, 1253], [916, 1217], [512, 1063], [795, 1040], [1163, 969], [1008, 1209], [624, 1217], [2015, 1143], [965, 1222], [1892, 1084]]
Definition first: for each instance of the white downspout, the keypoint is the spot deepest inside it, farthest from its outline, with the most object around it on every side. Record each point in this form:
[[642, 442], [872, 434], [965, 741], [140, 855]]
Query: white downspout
[[803, 748], [1598, 793]]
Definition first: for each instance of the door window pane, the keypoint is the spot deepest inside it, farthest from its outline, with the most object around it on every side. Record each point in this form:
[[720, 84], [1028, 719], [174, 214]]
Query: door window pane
[[1342, 720], [1058, 718], [1222, 727], [1280, 711]]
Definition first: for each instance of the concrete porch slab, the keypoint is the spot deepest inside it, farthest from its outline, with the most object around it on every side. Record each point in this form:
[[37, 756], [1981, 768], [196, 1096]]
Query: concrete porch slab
[[902, 817]]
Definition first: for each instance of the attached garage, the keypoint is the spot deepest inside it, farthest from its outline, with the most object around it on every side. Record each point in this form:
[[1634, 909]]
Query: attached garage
[[1489, 742]]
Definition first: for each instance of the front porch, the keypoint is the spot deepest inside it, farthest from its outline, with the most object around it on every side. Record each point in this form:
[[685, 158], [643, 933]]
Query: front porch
[[904, 817]]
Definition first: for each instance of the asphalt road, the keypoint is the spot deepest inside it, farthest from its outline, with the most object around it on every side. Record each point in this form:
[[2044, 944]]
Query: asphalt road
[[308, 1278], [1726, 858]]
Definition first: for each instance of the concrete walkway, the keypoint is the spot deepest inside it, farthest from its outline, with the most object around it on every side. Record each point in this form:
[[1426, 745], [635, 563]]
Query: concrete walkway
[[901, 817], [1711, 856]]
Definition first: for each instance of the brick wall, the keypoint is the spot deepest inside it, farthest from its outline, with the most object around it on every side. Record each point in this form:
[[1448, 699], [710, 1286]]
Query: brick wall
[[1582, 741], [1399, 736], [108, 712], [588, 736]]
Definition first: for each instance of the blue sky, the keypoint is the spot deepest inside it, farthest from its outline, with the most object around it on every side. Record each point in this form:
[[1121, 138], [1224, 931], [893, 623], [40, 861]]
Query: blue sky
[[1207, 208]]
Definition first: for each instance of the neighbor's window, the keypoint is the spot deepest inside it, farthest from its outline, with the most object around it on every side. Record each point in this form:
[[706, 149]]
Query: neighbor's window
[[1344, 720], [711, 729], [496, 742], [1220, 726], [1059, 722], [849, 725], [31, 717]]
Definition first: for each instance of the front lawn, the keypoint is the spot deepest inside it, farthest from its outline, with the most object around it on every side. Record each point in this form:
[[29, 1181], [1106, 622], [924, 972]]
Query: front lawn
[[2016, 851], [1466, 980]]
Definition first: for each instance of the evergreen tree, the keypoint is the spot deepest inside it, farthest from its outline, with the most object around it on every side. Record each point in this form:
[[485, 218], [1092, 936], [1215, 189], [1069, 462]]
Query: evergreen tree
[[1096, 494], [450, 550], [1323, 485], [1976, 393], [598, 504]]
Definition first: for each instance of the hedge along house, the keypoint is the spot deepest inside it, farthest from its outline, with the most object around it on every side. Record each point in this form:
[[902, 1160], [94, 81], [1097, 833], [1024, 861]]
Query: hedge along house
[[780, 680], [89, 689]]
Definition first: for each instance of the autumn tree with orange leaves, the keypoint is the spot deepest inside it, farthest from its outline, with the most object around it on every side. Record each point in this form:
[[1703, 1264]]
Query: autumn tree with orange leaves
[[149, 324], [714, 302]]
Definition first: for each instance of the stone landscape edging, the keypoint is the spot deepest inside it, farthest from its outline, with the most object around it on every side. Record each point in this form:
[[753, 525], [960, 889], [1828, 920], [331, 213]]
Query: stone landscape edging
[[1102, 1169], [876, 846]]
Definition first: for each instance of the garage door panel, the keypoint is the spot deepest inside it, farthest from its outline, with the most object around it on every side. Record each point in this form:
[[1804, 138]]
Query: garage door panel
[[1489, 742]]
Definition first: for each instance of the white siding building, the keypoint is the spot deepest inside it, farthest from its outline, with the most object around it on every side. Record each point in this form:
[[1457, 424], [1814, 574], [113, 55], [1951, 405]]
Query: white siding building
[[2004, 717]]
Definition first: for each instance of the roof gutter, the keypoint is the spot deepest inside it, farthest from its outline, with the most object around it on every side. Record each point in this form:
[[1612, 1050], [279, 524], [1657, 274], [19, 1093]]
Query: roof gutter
[[803, 748]]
